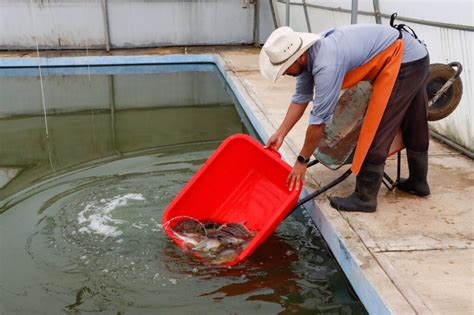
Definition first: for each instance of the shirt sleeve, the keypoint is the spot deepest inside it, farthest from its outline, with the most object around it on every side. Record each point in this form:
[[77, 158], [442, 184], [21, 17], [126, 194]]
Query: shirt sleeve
[[304, 88], [328, 83]]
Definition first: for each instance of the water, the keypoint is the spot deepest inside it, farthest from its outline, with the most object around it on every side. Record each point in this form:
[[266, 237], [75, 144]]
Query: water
[[86, 236]]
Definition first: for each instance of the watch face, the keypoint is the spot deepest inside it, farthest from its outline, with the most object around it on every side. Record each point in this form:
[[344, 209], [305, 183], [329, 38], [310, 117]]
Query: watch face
[[301, 159]]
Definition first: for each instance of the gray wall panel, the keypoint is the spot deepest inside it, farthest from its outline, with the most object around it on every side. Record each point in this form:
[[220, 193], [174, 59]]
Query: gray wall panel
[[54, 24], [132, 23], [168, 23]]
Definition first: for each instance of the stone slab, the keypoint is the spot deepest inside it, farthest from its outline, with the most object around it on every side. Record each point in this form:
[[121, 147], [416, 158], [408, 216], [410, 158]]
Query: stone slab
[[443, 279]]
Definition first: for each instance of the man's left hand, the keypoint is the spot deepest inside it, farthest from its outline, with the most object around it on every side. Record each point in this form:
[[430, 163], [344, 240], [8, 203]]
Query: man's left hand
[[296, 176]]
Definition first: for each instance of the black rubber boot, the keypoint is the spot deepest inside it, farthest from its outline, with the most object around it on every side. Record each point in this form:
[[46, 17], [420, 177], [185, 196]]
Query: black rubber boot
[[364, 198], [416, 183]]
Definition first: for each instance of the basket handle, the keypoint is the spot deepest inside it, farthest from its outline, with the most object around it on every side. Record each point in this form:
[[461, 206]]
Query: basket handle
[[274, 151]]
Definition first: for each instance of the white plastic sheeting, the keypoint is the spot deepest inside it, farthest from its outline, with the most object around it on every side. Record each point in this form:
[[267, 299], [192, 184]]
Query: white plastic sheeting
[[444, 44]]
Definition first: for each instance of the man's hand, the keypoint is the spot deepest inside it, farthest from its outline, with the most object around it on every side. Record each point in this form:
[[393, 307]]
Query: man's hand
[[294, 113], [296, 176], [275, 141]]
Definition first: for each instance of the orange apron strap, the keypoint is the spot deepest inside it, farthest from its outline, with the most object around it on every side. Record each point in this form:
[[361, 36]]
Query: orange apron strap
[[384, 68]]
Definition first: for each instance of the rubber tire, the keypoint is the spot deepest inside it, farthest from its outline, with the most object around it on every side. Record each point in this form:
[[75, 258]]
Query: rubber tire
[[446, 104]]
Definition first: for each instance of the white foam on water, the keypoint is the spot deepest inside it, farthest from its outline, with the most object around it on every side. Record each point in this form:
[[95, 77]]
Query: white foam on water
[[84, 230], [139, 225], [97, 217]]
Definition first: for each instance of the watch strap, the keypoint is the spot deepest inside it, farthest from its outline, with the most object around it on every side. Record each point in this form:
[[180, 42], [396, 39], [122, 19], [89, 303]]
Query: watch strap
[[302, 159]]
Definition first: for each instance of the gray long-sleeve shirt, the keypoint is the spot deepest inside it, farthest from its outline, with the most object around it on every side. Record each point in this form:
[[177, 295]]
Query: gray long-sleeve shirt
[[339, 51]]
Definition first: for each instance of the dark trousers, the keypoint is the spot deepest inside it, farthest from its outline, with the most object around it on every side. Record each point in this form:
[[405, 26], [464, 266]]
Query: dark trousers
[[406, 109]]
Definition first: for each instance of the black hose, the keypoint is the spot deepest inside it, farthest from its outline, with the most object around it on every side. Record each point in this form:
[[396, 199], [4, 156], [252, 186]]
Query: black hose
[[319, 191]]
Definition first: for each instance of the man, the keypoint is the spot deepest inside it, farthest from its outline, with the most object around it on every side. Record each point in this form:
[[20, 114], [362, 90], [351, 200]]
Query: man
[[396, 63]]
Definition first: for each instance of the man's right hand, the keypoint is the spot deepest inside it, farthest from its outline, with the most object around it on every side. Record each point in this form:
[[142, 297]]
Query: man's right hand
[[294, 113], [275, 141]]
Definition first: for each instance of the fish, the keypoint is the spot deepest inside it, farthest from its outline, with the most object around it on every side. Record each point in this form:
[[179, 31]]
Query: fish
[[237, 230], [188, 238], [220, 243], [208, 245], [189, 225]]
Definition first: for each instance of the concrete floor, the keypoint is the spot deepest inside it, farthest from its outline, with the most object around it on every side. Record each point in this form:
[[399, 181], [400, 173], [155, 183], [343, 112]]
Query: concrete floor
[[416, 253]]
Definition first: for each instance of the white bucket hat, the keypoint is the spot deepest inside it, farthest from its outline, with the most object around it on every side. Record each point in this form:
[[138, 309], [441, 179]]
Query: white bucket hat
[[281, 50]]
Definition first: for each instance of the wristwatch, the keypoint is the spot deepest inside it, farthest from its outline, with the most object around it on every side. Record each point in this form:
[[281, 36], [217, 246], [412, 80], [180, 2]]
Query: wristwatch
[[302, 159]]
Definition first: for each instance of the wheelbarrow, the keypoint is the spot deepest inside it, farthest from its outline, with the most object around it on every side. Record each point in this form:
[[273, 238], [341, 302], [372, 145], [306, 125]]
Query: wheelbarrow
[[243, 182], [444, 89]]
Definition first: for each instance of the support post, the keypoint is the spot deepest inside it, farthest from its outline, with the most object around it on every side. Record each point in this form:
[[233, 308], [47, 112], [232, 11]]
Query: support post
[[305, 8], [256, 24], [287, 13], [275, 20], [378, 18], [354, 10], [105, 12]]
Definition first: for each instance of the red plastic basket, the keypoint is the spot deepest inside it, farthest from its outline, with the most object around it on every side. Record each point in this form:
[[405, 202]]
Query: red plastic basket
[[240, 182]]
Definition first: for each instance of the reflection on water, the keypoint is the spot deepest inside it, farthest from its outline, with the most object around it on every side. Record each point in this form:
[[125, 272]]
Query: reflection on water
[[72, 140], [85, 237]]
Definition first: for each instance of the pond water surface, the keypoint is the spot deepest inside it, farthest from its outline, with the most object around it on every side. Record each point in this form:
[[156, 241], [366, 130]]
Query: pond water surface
[[84, 183]]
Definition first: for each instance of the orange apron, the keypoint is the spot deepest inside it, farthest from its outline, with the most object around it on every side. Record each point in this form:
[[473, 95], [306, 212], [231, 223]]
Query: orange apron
[[383, 71]]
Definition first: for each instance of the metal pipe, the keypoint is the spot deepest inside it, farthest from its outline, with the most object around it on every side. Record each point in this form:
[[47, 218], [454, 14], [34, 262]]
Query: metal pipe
[[105, 12], [275, 20], [453, 144], [287, 19], [405, 19], [308, 25], [399, 165], [256, 24], [378, 18], [354, 9], [388, 182]]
